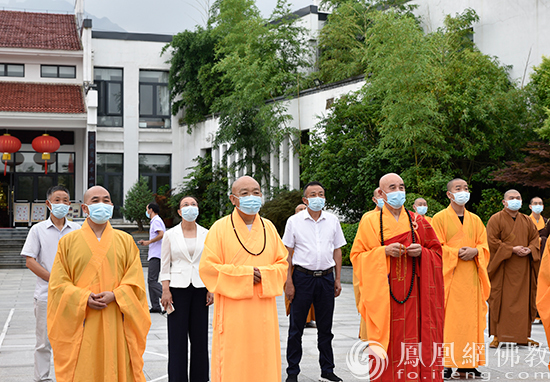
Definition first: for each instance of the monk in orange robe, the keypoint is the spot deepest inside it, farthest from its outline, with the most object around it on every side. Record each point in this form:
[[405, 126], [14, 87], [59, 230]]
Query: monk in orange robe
[[398, 264], [465, 258], [244, 263], [379, 203], [420, 208], [514, 246], [98, 317], [543, 293], [310, 321]]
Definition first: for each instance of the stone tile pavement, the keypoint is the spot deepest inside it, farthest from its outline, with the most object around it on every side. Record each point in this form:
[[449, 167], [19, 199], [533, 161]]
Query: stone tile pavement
[[17, 340]]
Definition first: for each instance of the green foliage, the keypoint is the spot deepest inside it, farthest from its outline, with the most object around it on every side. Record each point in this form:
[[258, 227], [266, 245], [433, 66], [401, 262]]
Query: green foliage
[[539, 92], [136, 201], [350, 230], [434, 108], [490, 204], [162, 198], [281, 207], [343, 37], [210, 186]]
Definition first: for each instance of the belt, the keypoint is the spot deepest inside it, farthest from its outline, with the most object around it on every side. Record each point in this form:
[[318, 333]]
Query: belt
[[313, 273]]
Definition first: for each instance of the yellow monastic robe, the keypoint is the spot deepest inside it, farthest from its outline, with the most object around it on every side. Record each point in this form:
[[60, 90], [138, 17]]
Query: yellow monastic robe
[[543, 293], [97, 345], [246, 343], [467, 287], [539, 224]]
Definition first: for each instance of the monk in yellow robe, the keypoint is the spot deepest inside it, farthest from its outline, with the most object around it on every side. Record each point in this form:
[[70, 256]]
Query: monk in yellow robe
[[379, 203], [514, 246], [398, 265], [310, 321], [244, 263], [420, 208], [465, 258], [537, 206], [98, 317], [543, 293]]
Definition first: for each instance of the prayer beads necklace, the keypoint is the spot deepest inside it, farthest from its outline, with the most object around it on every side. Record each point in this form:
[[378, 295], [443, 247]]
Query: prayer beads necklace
[[241, 243], [413, 259]]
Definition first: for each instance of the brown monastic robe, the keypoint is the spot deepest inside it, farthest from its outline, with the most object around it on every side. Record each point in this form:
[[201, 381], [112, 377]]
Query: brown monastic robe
[[512, 304]]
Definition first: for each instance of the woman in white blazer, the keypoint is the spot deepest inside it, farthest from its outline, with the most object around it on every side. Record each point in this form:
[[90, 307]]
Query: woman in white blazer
[[184, 291]]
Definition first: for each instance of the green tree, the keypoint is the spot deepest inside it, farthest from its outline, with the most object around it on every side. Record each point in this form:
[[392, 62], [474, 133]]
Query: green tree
[[281, 206], [136, 201], [539, 94]]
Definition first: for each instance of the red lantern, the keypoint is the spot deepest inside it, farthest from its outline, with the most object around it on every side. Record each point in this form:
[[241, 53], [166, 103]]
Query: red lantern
[[8, 145], [45, 144]]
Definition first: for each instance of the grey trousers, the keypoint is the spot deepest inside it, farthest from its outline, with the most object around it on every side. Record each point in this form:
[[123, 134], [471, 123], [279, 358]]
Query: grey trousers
[[155, 289], [43, 349]]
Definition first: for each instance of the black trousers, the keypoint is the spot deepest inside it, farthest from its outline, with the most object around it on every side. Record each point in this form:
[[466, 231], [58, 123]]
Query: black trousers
[[320, 292], [155, 289], [189, 321]]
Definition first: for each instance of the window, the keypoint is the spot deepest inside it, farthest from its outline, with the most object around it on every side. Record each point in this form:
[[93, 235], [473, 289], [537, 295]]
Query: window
[[12, 70], [154, 99], [156, 169], [109, 88], [109, 175], [58, 71]]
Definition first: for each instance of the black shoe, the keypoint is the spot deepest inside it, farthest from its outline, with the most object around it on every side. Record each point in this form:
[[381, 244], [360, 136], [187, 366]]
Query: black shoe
[[311, 324], [156, 310], [329, 377], [448, 373], [469, 373], [292, 378]]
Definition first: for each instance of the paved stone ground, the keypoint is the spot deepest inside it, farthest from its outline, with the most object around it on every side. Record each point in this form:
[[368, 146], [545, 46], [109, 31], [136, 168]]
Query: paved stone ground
[[17, 340]]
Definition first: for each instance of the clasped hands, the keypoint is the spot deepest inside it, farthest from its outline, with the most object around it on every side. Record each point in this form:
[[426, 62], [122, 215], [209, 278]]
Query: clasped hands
[[467, 253], [257, 276], [398, 249], [100, 301], [521, 251]]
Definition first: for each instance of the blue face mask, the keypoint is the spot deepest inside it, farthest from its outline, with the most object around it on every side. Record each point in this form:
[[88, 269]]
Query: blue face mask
[[380, 202], [396, 199], [514, 204], [421, 210], [100, 213], [537, 208], [461, 198], [59, 210], [148, 214], [250, 205], [316, 204], [189, 213]]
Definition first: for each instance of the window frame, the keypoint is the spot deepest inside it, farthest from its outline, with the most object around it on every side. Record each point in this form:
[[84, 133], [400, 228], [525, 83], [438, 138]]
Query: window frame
[[57, 67], [104, 103], [154, 105], [4, 72], [106, 175], [155, 175]]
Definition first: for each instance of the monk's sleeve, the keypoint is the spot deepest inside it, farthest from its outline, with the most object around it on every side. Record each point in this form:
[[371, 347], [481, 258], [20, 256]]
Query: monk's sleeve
[[500, 249], [274, 275], [67, 305], [132, 301], [534, 241], [230, 280], [449, 254], [371, 267], [482, 258], [543, 293]]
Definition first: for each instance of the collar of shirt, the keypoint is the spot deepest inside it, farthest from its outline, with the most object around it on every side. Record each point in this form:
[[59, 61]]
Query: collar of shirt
[[51, 224], [308, 216]]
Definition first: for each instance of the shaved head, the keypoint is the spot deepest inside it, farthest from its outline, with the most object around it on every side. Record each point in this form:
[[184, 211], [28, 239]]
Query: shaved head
[[511, 194], [300, 207], [376, 192], [420, 202], [95, 191], [536, 200], [391, 182], [452, 182], [244, 183]]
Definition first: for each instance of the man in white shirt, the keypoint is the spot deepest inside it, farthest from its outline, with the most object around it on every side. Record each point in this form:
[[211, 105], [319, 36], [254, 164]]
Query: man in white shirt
[[314, 239], [40, 249], [156, 233]]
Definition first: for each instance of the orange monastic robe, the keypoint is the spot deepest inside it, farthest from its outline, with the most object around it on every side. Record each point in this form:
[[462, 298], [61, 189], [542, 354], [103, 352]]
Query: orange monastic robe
[[409, 332], [543, 292], [539, 224], [467, 287], [97, 345], [246, 343]]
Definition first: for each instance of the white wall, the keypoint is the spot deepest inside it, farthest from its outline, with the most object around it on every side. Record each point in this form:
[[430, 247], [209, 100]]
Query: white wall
[[515, 31], [132, 56]]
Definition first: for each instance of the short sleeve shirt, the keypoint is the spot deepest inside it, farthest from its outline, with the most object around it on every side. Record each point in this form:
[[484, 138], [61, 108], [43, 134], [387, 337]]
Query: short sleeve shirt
[[154, 248], [313, 241], [41, 244]]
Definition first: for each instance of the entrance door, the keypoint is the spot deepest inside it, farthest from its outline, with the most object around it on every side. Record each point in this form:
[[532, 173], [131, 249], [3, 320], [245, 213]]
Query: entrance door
[[5, 200]]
